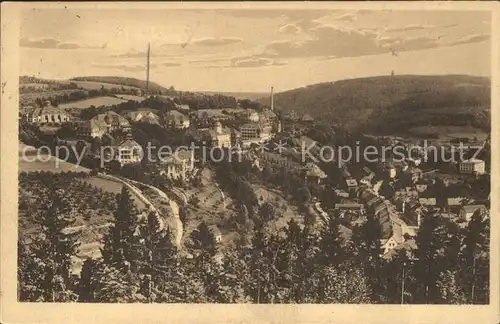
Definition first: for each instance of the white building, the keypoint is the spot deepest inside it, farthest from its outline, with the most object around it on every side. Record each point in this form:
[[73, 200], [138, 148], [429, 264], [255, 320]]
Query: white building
[[179, 165], [128, 151], [46, 115], [472, 166], [220, 136], [92, 128], [113, 122], [177, 120], [255, 133]]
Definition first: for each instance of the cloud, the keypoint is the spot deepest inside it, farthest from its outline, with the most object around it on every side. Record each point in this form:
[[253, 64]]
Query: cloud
[[217, 41], [289, 29], [136, 67], [252, 62], [292, 14], [123, 67], [327, 41], [409, 28], [471, 39], [347, 17], [51, 43], [140, 54]]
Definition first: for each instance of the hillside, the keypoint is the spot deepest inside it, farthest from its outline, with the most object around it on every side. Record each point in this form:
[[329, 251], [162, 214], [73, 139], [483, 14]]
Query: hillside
[[131, 82], [395, 104], [238, 95]]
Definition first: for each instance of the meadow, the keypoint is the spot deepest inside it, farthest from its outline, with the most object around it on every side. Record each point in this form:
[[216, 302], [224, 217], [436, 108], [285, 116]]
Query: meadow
[[97, 102]]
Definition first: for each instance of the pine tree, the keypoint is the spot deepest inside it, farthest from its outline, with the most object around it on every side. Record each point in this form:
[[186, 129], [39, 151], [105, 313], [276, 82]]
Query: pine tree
[[367, 253], [261, 259], [47, 267], [122, 242], [474, 271], [102, 283], [343, 284], [435, 249], [330, 244]]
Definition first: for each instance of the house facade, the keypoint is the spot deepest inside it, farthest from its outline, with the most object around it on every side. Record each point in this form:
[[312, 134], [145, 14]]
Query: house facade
[[177, 120], [472, 166], [113, 122], [128, 151], [220, 136], [47, 115], [178, 165]]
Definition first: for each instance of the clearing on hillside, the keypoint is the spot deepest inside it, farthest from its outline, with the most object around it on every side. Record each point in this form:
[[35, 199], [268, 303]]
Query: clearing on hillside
[[97, 102]]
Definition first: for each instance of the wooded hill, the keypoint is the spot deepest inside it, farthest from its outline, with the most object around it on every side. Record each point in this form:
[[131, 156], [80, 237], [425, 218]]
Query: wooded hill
[[393, 104]]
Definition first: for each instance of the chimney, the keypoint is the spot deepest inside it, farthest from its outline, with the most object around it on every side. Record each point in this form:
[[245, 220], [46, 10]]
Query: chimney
[[147, 65], [272, 98]]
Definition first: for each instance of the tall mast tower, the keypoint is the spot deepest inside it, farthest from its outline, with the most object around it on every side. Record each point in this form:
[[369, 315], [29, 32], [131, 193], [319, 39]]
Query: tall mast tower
[[272, 98], [147, 65]]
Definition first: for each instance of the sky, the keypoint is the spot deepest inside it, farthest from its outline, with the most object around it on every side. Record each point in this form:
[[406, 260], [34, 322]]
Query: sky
[[250, 50]]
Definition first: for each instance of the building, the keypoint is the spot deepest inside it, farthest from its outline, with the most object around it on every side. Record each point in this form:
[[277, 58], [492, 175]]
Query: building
[[313, 173], [466, 212], [113, 122], [352, 185], [128, 151], [176, 119], [368, 173], [178, 165], [269, 115], [91, 128], [144, 116], [472, 166], [341, 193], [392, 233], [220, 136], [47, 115], [251, 115], [235, 137], [427, 201], [211, 115], [455, 201], [350, 207], [255, 133]]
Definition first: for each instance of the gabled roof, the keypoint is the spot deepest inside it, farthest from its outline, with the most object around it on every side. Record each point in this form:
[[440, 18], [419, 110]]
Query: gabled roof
[[470, 209], [129, 143]]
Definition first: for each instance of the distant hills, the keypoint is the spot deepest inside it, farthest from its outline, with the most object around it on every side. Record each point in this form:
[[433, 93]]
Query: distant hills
[[394, 104], [240, 95]]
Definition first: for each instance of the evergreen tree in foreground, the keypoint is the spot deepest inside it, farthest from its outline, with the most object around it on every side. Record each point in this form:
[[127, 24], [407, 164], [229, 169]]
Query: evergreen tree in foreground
[[45, 267], [122, 242]]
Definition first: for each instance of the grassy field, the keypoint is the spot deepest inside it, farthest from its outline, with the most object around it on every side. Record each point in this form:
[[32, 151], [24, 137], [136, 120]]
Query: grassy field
[[98, 101], [30, 161], [89, 85], [29, 98], [112, 186]]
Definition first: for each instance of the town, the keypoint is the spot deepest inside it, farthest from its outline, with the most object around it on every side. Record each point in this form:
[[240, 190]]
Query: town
[[269, 184], [317, 157]]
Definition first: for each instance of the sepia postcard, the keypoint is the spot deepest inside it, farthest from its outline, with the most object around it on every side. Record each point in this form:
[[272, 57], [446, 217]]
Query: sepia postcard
[[267, 162]]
